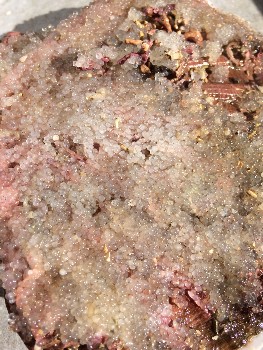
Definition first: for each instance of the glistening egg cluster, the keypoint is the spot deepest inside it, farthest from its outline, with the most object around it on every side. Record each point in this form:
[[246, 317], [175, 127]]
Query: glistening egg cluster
[[131, 195]]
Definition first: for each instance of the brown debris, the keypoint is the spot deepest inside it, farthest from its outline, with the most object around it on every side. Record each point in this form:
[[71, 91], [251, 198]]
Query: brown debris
[[238, 75], [145, 69], [10, 35], [194, 36], [166, 23], [133, 41], [225, 92], [222, 61], [230, 53], [152, 11], [258, 69]]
